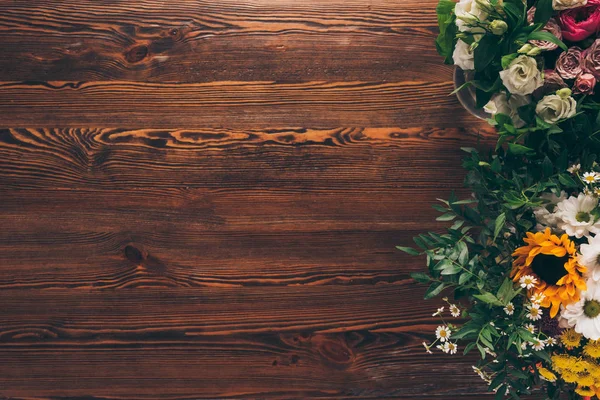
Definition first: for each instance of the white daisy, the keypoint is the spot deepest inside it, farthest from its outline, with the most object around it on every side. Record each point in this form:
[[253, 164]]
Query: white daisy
[[442, 333], [575, 168], [534, 313], [591, 177], [530, 328], [550, 341], [575, 215], [450, 348], [524, 346], [454, 310], [538, 344], [590, 257], [509, 309], [584, 315], [537, 298], [438, 312], [527, 281]]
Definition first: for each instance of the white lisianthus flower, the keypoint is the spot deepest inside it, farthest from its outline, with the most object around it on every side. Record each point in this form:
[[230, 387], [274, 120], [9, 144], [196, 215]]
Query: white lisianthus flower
[[584, 316], [566, 4], [553, 108], [575, 216], [469, 12], [463, 56], [522, 76], [590, 258], [501, 104]]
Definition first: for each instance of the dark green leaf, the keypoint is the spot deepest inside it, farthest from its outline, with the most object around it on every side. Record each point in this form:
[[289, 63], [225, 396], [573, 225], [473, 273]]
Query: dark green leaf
[[420, 277], [408, 250]]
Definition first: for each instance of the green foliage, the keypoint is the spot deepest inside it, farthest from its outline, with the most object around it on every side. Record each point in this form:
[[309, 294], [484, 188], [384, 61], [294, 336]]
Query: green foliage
[[446, 22]]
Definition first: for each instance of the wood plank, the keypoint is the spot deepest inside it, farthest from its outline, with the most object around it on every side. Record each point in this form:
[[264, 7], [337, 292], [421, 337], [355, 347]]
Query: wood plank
[[219, 343], [103, 208], [287, 158], [204, 41], [231, 104]]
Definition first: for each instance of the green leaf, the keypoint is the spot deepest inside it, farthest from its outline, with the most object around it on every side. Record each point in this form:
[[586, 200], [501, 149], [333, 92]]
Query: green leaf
[[486, 51], [463, 256], [547, 37], [519, 150], [507, 59], [434, 290], [468, 348], [543, 12], [499, 224], [464, 278], [566, 180], [446, 217], [408, 250], [488, 298], [451, 269], [420, 277], [444, 43]]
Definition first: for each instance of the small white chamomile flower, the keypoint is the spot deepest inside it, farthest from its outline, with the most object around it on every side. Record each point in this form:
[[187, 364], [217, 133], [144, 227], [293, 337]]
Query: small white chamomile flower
[[534, 312], [509, 309], [454, 310], [442, 333], [591, 177], [528, 281]]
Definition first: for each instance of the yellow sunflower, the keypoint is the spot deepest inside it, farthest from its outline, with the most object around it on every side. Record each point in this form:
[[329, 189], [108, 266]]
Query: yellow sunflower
[[553, 261]]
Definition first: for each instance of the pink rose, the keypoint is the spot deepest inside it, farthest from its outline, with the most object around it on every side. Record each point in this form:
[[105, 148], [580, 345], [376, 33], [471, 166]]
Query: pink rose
[[553, 28], [568, 64], [591, 59], [584, 84], [580, 23]]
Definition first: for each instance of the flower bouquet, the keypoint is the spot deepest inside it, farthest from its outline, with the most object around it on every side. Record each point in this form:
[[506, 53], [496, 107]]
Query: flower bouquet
[[522, 254]]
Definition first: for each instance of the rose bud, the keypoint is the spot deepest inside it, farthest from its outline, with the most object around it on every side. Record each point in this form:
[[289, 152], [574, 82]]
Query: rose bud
[[552, 83], [580, 23], [591, 59], [553, 28], [569, 62], [584, 84]]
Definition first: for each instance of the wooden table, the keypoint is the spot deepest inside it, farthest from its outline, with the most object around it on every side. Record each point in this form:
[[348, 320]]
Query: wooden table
[[201, 199]]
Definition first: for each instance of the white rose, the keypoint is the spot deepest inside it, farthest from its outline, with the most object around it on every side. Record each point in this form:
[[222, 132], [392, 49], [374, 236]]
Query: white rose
[[469, 12], [553, 108], [565, 4], [500, 104], [522, 76], [463, 56]]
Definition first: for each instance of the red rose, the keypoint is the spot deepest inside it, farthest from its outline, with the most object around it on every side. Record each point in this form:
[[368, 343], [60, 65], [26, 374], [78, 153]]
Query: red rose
[[584, 84], [580, 23]]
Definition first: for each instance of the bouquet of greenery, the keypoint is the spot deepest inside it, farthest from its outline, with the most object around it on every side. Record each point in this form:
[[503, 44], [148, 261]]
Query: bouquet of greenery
[[522, 254]]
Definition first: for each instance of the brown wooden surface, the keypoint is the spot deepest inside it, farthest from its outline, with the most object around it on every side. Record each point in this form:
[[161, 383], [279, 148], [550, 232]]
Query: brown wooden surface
[[201, 199]]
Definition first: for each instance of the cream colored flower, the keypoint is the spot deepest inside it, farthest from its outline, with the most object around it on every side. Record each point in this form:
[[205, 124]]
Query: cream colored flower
[[463, 56], [522, 76], [553, 108], [469, 12], [565, 4], [501, 104]]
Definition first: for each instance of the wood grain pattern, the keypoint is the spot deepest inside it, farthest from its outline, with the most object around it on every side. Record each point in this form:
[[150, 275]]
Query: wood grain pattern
[[207, 343], [315, 104], [202, 41], [200, 199]]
